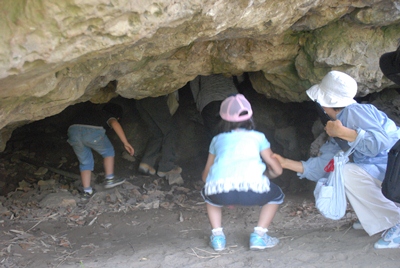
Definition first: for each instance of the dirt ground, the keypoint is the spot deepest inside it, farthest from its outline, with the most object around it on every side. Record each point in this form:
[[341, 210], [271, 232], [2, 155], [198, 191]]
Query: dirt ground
[[146, 222]]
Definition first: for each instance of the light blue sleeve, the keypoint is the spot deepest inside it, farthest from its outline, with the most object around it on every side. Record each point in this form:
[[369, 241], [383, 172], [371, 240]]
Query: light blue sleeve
[[376, 134], [378, 128], [314, 166], [264, 143], [212, 149]]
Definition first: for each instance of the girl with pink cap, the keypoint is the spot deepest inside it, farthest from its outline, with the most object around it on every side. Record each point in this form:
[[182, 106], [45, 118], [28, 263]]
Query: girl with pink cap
[[237, 172]]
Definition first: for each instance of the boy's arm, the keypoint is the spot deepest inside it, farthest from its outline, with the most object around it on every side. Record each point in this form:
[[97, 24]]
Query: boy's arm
[[121, 134]]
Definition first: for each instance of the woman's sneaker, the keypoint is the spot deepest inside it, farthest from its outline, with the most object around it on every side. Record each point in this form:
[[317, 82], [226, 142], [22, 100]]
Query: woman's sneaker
[[217, 242], [258, 242], [110, 183], [357, 226], [390, 238]]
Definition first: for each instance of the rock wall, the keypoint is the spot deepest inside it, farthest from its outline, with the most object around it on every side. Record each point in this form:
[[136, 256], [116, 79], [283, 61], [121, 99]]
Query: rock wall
[[54, 54]]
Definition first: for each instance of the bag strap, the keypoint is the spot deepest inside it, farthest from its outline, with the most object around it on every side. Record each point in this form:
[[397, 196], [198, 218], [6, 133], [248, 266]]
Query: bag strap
[[360, 136]]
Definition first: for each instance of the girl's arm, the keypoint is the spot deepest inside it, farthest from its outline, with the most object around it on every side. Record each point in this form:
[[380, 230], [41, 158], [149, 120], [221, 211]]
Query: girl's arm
[[121, 134], [274, 167], [210, 162]]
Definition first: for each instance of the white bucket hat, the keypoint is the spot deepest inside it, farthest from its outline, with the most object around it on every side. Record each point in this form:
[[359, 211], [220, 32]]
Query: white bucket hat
[[336, 90]]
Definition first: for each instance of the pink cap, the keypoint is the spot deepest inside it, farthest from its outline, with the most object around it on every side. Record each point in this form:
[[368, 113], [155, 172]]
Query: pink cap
[[235, 109]]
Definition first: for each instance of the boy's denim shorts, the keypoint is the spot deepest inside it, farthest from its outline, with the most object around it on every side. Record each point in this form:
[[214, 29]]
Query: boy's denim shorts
[[83, 139]]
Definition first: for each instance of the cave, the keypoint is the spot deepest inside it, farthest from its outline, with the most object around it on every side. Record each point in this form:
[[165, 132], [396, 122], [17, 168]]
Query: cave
[[59, 58], [43, 143]]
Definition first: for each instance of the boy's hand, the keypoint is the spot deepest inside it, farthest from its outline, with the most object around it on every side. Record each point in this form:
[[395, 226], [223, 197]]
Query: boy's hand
[[129, 148]]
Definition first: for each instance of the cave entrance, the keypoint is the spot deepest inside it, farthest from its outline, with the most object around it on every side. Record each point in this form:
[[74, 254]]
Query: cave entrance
[[39, 152]]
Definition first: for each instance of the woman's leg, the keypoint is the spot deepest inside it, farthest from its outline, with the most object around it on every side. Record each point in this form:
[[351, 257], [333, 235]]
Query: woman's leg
[[374, 211]]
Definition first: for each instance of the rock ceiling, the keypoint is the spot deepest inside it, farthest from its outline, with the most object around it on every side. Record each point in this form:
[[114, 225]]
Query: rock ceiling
[[57, 53]]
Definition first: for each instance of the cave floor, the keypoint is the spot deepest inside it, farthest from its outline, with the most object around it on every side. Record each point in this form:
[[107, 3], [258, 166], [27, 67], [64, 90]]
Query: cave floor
[[146, 222]]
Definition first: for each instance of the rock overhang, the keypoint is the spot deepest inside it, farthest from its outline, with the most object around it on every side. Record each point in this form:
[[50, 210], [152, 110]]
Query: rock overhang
[[55, 54]]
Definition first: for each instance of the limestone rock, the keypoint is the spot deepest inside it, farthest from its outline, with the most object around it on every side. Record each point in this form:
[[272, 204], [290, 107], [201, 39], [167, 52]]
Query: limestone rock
[[54, 54], [60, 199]]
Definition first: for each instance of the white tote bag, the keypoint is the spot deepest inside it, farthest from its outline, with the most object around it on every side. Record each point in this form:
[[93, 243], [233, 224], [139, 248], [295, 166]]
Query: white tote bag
[[330, 196]]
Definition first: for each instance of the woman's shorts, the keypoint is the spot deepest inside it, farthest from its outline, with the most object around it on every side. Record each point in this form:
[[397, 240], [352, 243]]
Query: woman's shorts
[[249, 198]]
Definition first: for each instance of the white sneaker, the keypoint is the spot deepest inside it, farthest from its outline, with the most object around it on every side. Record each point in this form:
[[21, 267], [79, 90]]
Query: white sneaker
[[392, 233], [390, 238], [357, 226], [380, 244]]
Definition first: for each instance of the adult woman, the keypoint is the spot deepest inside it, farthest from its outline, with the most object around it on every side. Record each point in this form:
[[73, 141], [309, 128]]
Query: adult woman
[[372, 134]]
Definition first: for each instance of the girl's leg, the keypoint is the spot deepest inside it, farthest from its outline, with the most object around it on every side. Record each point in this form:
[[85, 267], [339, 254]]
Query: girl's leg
[[260, 239], [267, 214], [217, 239], [215, 216]]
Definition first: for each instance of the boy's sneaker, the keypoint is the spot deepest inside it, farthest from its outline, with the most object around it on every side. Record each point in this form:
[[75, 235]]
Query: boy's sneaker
[[174, 171], [146, 169], [110, 183], [87, 195], [390, 238], [262, 242], [217, 242]]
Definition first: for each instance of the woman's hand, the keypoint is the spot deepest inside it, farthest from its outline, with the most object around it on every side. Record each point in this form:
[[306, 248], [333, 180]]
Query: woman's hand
[[336, 129], [333, 128], [296, 166]]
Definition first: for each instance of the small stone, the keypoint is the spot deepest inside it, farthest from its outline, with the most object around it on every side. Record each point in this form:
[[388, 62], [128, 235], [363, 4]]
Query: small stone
[[175, 179], [128, 157], [40, 171]]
